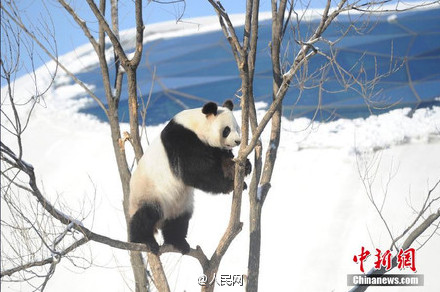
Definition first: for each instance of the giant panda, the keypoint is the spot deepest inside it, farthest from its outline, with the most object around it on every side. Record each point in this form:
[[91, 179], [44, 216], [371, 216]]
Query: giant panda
[[192, 151]]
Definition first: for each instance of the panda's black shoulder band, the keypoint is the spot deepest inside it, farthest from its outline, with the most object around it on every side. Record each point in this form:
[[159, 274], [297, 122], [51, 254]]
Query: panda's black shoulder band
[[228, 104], [210, 108]]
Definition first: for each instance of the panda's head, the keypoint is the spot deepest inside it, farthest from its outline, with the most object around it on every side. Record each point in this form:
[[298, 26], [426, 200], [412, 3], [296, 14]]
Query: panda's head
[[214, 125]]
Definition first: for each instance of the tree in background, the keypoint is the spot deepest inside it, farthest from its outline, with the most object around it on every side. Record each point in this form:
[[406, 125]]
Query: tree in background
[[20, 176], [286, 19]]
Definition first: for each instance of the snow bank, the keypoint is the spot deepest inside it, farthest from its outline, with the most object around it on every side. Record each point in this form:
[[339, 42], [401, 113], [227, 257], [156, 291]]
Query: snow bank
[[316, 216]]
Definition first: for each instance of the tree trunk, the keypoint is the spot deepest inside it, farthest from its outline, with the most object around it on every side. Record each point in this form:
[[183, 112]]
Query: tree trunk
[[133, 111], [136, 260], [254, 246]]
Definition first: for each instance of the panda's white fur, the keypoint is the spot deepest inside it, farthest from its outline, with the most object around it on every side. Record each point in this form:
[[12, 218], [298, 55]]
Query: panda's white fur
[[154, 181], [208, 128], [153, 178], [159, 186]]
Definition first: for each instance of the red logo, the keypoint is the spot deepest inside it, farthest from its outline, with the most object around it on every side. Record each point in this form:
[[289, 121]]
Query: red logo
[[362, 257], [405, 259]]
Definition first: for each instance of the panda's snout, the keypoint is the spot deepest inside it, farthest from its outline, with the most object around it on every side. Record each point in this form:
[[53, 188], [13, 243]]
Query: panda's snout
[[237, 142]]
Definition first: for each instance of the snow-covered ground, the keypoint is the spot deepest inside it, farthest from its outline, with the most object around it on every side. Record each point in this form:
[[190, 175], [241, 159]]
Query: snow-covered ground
[[317, 215]]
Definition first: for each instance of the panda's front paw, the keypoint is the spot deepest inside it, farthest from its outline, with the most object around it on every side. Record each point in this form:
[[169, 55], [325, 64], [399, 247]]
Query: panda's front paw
[[248, 167]]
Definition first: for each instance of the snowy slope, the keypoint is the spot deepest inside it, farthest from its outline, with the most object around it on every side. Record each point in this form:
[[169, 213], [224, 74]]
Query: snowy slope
[[315, 219], [317, 200]]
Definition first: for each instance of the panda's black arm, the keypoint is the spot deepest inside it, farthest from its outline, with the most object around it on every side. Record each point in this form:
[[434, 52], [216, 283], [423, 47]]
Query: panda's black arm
[[223, 183], [202, 167], [198, 164], [212, 172]]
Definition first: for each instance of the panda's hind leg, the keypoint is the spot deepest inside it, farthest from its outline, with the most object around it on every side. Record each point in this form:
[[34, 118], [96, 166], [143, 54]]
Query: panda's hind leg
[[143, 225], [174, 232]]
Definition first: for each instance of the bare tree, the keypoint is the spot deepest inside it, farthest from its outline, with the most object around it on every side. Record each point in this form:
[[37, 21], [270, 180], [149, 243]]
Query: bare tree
[[425, 217], [112, 94], [284, 16], [21, 176], [31, 238], [15, 164]]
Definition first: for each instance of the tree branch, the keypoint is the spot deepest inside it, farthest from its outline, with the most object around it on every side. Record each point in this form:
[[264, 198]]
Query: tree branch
[[55, 59], [228, 30], [8, 156], [407, 244], [115, 42], [46, 261]]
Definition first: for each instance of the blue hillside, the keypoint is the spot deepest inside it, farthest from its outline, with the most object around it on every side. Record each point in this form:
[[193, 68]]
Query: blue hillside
[[196, 68]]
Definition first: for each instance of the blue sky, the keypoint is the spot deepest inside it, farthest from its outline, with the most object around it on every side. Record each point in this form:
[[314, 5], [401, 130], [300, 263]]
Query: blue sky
[[69, 35]]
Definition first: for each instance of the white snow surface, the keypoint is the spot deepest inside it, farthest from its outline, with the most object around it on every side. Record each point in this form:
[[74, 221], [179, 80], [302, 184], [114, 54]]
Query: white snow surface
[[315, 219]]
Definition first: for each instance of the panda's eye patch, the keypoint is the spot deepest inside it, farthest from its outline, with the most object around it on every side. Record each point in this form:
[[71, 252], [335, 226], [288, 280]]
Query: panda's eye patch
[[226, 132]]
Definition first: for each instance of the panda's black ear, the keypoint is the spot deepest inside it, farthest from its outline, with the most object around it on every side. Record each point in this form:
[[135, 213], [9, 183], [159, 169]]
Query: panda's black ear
[[210, 108], [228, 104]]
